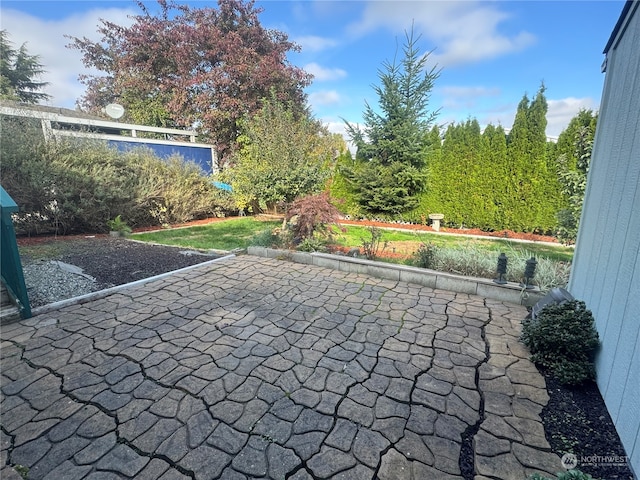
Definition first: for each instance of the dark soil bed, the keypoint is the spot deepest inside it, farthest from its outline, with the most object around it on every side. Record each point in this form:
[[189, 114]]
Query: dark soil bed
[[111, 261], [576, 421]]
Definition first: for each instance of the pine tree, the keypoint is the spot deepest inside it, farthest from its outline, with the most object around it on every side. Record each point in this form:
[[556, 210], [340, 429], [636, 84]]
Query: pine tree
[[18, 73], [389, 173]]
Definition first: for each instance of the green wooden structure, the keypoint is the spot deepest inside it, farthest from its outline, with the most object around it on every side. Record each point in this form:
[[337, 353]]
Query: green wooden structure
[[10, 264]]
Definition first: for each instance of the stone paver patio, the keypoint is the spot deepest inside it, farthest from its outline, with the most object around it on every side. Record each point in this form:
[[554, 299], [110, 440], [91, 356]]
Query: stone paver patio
[[257, 368]]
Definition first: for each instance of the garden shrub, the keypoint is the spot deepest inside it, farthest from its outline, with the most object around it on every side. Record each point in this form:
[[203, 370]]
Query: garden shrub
[[425, 256], [60, 186], [311, 216], [312, 245], [373, 245], [472, 260], [175, 191], [563, 339], [67, 186], [568, 475], [267, 238]]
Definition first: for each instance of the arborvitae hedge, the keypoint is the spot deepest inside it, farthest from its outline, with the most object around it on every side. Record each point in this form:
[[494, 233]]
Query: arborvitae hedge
[[488, 180]]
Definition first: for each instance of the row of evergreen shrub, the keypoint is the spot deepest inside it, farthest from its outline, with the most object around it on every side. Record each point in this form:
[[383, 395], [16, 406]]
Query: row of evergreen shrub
[[73, 186], [477, 182]]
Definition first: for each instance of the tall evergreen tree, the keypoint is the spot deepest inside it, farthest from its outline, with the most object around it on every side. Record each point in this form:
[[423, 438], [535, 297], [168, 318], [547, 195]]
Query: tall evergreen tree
[[532, 183], [448, 174], [493, 168], [428, 199], [537, 126], [19, 72], [389, 172]]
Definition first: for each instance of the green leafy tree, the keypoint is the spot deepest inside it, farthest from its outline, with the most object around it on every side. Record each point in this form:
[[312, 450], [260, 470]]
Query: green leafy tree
[[283, 155], [574, 183], [19, 72], [566, 144], [389, 173], [186, 66]]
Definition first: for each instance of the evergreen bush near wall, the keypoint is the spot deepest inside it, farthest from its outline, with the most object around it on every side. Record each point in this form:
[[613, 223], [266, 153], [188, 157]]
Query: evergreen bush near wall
[[563, 339]]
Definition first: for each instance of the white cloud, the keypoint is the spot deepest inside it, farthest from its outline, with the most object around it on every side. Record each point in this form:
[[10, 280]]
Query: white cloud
[[340, 127], [559, 114], [562, 111], [322, 74], [462, 31], [459, 97], [46, 39], [314, 43], [324, 97]]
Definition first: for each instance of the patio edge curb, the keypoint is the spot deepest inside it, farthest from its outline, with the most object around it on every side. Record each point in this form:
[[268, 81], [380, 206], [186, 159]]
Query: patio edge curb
[[108, 291], [510, 292]]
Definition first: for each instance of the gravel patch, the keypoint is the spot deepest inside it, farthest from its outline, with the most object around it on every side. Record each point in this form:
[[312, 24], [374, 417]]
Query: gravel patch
[[48, 282], [61, 268]]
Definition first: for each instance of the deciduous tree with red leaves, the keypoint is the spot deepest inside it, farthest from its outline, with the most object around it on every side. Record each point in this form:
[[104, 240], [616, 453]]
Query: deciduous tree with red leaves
[[185, 67]]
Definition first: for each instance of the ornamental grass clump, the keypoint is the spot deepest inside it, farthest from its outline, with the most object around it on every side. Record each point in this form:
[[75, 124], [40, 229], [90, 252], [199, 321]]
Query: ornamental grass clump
[[563, 339], [474, 260]]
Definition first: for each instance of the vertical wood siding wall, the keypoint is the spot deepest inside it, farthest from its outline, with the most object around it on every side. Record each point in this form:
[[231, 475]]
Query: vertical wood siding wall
[[606, 268]]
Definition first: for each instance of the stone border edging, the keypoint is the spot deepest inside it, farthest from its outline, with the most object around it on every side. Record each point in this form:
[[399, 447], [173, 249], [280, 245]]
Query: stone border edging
[[510, 292], [108, 291]]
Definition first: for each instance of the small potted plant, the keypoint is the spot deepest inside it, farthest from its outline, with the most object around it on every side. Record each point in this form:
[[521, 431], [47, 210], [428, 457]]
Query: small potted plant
[[118, 227]]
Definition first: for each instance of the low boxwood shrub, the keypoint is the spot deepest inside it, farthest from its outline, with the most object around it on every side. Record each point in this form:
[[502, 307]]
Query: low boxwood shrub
[[563, 339]]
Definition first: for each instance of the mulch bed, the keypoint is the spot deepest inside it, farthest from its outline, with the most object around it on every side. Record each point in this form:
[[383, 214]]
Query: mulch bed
[[115, 261], [576, 421]]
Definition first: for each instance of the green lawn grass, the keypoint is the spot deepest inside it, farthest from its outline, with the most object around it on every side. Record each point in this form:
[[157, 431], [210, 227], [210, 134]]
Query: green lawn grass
[[226, 235], [239, 233], [354, 236]]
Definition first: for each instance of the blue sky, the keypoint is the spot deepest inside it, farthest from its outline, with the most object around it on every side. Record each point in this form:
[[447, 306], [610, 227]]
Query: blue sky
[[490, 53]]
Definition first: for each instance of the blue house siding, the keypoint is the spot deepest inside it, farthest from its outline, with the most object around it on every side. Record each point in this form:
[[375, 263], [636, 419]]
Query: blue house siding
[[606, 267], [61, 122], [201, 155]]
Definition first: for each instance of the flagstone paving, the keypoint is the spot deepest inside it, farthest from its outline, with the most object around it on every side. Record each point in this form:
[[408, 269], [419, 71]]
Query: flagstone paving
[[259, 368]]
